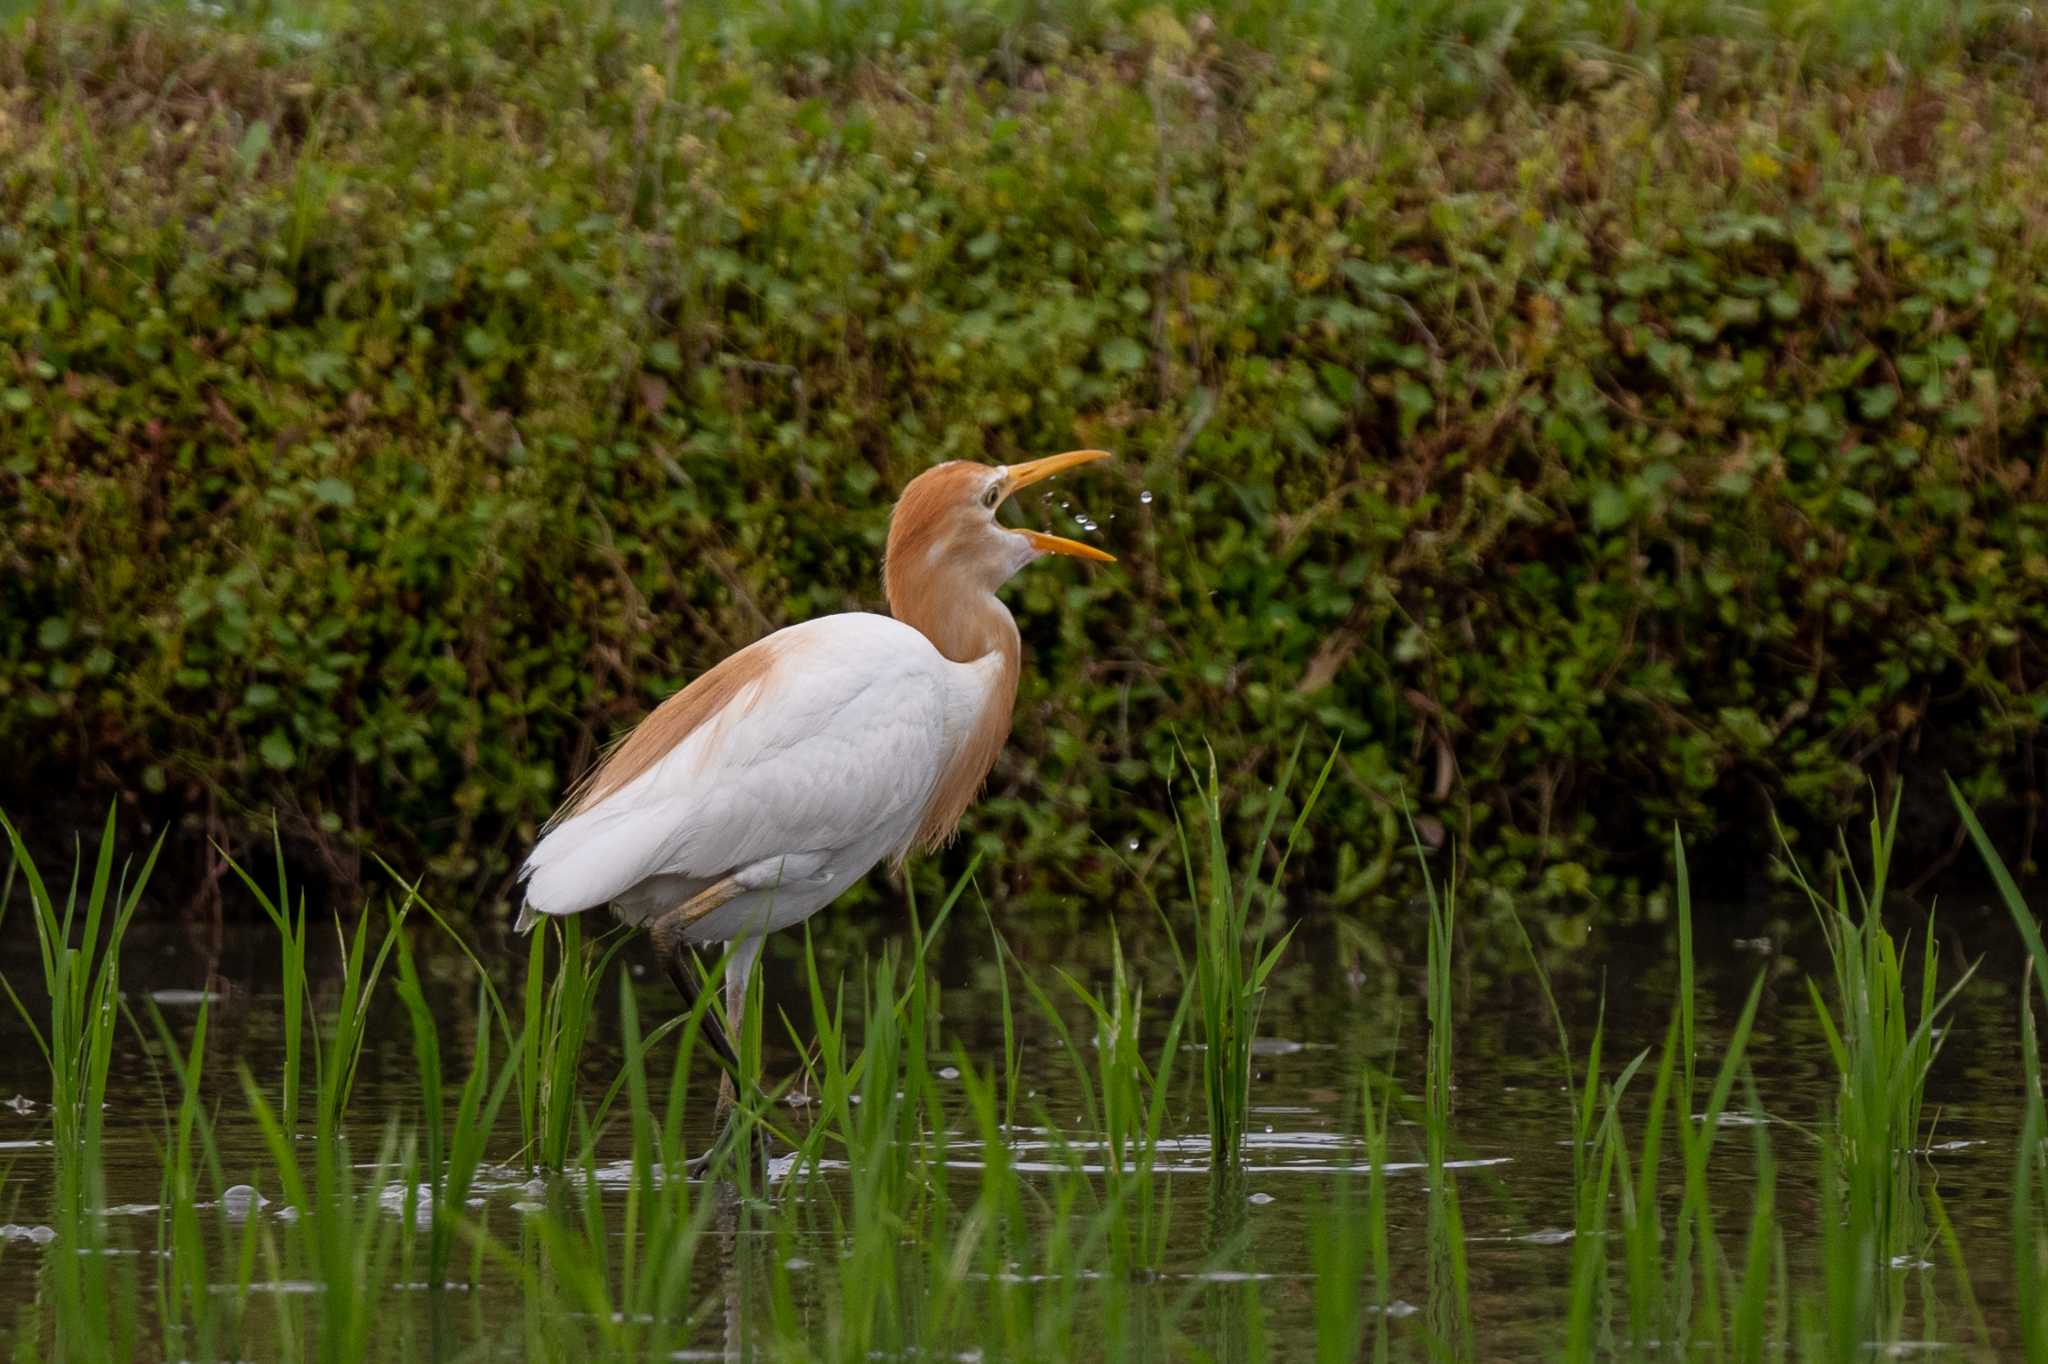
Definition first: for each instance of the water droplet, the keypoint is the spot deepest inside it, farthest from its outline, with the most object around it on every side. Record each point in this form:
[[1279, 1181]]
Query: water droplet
[[1146, 497]]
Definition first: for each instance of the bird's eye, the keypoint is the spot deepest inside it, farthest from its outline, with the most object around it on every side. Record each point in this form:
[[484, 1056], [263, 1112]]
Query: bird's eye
[[992, 496]]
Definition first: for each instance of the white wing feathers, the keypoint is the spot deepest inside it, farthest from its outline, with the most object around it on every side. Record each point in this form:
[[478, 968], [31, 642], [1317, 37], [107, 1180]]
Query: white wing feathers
[[838, 745]]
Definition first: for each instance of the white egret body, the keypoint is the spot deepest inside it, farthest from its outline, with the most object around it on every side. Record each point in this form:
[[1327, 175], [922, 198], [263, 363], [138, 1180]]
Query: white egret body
[[821, 763], [755, 796]]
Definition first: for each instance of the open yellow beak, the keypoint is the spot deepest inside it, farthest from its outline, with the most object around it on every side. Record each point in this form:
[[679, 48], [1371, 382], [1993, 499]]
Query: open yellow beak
[[1024, 475]]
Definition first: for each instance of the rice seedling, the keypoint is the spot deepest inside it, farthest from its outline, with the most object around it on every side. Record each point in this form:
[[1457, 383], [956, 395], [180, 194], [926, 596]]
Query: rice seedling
[[628, 1272], [342, 1235], [895, 1132], [290, 922], [1882, 1056], [1697, 1130], [1351, 1243], [908, 1219], [1642, 1228], [1595, 1144], [1659, 1272], [2030, 1174], [79, 947], [1378, 1125], [2030, 1195], [451, 1145], [335, 1236], [1450, 1302], [873, 1298], [1587, 1326], [1762, 1280], [556, 1020], [864, 1106], [1133, 1097], [1019, 1257], [1231, 959], [196, 1321]]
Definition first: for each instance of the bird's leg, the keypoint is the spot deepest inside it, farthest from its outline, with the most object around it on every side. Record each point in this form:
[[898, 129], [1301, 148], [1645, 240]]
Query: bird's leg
[[739, 971], [676, 958], [681, 965], [674, 954], [739, 967], [667, 934]]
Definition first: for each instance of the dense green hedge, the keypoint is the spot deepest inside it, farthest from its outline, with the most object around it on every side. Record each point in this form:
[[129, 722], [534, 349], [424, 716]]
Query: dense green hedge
[[390, 415]]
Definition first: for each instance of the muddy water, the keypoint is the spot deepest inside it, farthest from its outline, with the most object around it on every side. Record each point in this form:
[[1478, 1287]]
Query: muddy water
[[1334, 1010]]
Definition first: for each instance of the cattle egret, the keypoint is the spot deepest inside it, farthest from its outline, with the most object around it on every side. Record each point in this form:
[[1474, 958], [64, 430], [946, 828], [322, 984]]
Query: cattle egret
[[755, 796]]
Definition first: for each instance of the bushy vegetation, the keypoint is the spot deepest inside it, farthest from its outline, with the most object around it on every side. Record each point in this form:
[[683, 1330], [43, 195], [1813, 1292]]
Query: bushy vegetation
[[1593, 422]]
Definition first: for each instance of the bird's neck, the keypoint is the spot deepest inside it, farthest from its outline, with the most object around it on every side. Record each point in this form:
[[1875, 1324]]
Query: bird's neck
[[962, 625], [966, 628]]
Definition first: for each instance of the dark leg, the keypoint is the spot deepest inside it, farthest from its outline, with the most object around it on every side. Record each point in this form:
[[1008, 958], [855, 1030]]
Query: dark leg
[[739, 969], [681, 965]]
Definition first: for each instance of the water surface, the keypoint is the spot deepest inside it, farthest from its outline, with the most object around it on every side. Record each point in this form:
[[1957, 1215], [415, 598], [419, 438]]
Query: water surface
[[1335, 1011]]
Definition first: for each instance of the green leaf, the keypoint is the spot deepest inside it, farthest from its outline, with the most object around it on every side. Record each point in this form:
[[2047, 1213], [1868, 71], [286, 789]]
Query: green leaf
[[1610, 507], [324, 367], [277, 751], [1340, 383], [1876, 403], [1122, 355], [254, 143], [1416, 400], [1746, 728]]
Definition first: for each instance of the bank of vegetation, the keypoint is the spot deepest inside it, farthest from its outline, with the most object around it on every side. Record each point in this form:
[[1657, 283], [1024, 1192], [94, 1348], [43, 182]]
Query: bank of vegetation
[[1592, 421]]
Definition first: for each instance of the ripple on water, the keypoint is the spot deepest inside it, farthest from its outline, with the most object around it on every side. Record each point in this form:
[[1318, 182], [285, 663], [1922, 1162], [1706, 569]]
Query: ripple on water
[[280, 1286], [184, 999], [1267, 1153]]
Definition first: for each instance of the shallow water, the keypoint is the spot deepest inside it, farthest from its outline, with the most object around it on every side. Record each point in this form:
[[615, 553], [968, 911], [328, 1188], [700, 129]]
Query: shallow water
[[1233, 1270]]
